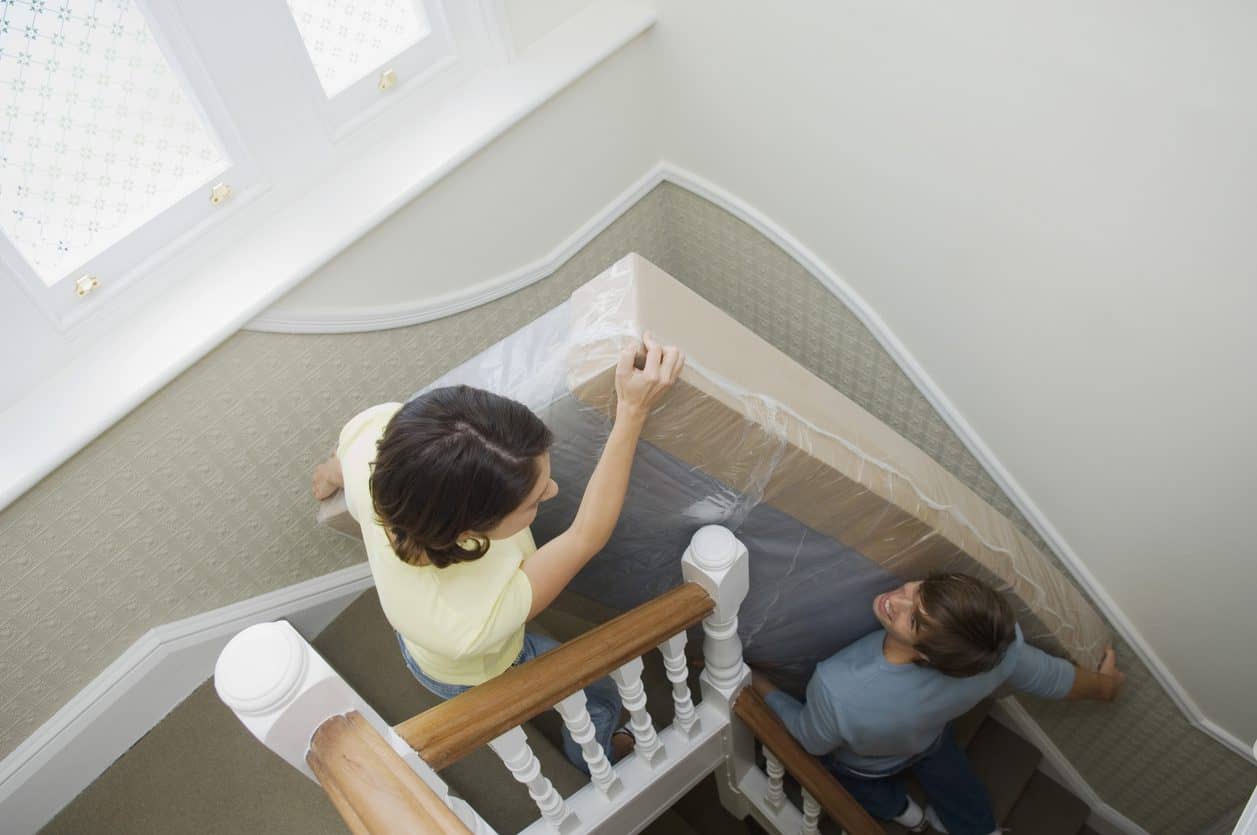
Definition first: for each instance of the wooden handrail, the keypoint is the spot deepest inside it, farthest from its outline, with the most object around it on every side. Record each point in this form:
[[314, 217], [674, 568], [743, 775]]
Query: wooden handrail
[[371, 786], [767, 727], [449, 731]]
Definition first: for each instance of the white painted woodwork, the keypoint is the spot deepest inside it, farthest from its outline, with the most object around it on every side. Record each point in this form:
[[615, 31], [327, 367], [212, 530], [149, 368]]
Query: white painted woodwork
[[811, 815], [650, 789], [575, 712], [785, 819], [513, 749], [628, 680], [776, 794], [674, 662], [1247, 824], [718, 562], [282, 691]]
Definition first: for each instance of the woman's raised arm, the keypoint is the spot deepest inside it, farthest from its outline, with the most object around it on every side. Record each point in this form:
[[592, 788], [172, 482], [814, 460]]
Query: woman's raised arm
[[637, 391]]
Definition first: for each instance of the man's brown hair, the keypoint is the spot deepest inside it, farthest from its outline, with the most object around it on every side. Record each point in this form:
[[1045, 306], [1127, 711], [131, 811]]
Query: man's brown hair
[[454, 460], [965, 626]]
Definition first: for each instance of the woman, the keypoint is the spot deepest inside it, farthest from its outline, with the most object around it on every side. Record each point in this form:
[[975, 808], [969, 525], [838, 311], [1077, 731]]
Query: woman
[[445, 487]]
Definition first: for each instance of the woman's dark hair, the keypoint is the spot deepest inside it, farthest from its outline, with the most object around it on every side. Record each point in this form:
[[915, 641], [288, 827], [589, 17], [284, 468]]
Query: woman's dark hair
[[965, 625], [454, 460]]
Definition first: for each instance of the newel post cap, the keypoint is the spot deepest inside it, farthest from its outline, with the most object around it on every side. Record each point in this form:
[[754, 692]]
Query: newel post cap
[[718, 561], [714, 547], [261, 668]]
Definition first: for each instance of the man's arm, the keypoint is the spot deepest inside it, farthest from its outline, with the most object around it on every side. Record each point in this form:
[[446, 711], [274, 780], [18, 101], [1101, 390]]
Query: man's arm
[[1048, 677], [810, 722], [1103, 685]]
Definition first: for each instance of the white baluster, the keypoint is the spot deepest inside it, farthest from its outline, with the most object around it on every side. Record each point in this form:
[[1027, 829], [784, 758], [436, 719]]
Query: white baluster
[[776, 794], [512, 748], [685, 717], [811, 815], [628, 680], [576, 716], [718, 562]]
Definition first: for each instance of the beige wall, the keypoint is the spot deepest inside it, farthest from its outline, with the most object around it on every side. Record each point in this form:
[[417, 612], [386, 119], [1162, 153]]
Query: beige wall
[[528, 191], [530, 19]]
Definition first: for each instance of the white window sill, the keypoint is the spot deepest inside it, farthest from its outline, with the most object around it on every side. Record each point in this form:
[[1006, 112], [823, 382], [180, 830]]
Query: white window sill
[[211, 301]]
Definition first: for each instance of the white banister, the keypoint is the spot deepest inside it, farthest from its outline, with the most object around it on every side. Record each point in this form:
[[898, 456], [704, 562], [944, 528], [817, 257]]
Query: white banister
[[718, 562], [628, 680], [811, 815], [513, 749], [282, 691], [776, 794], [576, 716], [684, 716]]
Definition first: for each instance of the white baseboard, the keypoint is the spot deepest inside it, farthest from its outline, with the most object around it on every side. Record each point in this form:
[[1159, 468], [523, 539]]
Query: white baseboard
[[1104, 818], [136, 692], [383, 317]]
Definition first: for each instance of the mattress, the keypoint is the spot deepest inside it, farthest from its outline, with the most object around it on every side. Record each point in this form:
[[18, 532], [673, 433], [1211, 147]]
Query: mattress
[[833, 505]]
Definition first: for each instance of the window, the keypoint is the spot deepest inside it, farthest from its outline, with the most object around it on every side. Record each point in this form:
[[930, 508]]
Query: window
[[130, 125], [359, 48]]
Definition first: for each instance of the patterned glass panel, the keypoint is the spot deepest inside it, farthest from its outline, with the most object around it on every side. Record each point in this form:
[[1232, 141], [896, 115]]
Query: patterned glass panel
[[349, 39], [96, 136]]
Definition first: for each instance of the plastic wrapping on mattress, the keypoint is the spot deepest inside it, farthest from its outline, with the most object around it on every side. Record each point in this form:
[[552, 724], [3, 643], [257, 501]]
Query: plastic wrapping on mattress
[[833, 506]]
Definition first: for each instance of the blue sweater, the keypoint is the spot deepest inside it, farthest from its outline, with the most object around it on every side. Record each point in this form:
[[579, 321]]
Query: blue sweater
[[874, 716]]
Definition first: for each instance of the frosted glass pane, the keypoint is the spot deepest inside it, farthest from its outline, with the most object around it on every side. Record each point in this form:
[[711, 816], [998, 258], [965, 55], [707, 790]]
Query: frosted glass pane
[[96, 137], [349, 39]]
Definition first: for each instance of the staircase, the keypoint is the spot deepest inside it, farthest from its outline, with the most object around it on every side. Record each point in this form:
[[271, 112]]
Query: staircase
[[360, 645], [1026, 801]]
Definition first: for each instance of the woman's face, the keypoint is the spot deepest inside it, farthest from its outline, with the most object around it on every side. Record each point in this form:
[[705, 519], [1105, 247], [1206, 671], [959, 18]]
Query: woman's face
[[523, 516]]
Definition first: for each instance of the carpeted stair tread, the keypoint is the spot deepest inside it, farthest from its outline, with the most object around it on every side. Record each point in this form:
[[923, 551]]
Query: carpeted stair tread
[[966, 726], [669, 823], [1004, 762], [1047, 808], [701, 809], [362, 647]]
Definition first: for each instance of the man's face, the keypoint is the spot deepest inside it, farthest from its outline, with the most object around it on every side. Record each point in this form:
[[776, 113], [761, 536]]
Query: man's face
[[899, 611]]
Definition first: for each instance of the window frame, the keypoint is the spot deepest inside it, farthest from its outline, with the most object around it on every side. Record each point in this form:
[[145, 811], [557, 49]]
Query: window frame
[[186, 218], [258, 93]]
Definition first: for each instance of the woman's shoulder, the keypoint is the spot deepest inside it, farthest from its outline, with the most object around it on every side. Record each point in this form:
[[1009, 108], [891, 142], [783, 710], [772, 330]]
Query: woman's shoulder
[[370, 421]]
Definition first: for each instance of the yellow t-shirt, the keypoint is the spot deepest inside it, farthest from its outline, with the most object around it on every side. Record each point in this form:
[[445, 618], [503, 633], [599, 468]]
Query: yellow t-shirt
[[463, 624]]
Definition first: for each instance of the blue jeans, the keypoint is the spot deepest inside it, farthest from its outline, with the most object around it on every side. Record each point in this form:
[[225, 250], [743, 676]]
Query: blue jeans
[[602, 698], [943, 771]]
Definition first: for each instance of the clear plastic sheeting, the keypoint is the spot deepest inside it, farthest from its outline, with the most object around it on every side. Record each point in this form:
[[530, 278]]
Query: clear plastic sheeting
[[834, 507]]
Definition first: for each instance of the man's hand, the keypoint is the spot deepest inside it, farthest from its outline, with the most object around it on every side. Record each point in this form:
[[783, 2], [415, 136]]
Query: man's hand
[[1113, 677], [1103, 685], [761, 683]]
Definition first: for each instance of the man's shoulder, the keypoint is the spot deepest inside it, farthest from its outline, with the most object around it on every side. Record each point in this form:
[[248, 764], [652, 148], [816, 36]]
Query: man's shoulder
[[852, 666]]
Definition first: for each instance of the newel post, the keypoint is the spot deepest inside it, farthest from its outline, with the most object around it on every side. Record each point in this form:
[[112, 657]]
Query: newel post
[[719, 562], [282, 691]]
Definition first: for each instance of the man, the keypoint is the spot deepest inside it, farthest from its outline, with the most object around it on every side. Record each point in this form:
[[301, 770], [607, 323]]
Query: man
[[881, 706]]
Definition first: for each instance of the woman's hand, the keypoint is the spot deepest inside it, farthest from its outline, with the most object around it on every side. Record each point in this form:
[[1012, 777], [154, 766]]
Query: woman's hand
[[328, 478], [637, 390]]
